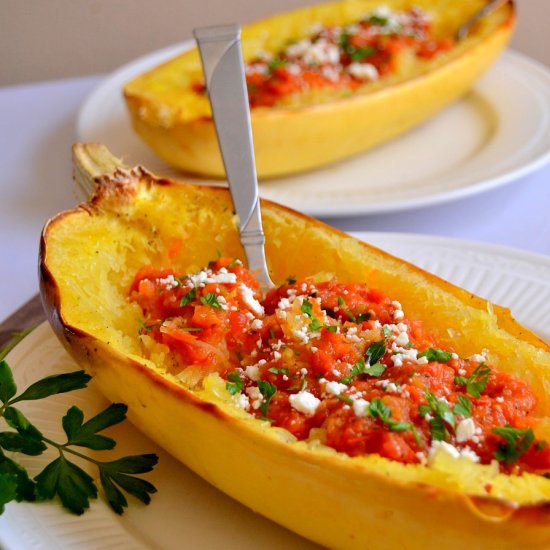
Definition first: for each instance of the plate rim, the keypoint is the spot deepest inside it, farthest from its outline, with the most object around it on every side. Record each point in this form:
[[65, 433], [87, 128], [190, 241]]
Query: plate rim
[[14, 535], [527, 164]]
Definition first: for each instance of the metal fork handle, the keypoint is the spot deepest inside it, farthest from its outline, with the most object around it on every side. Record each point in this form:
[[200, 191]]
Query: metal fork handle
[[465, 28], [220, 51]]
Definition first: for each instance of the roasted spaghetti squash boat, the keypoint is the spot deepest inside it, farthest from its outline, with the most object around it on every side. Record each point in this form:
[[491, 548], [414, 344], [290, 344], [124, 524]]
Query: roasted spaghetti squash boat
[[325, 82], [364, 404]]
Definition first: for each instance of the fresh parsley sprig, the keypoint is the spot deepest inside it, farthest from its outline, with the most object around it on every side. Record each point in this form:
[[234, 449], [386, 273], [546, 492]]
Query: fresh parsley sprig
[[61, 477]]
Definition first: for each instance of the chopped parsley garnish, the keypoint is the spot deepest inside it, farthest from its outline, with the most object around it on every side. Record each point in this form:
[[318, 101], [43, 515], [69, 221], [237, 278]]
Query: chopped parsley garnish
[[377, 409], [355, 53], [363, 317], [188, 298], [276, 63], [436, 354], [291, 280], [62, 477], [276, 370], [516, 443], [211, 300], [307, 308], [378, 20], [345, 399], [146, 327], [477, 381], [376, 351], [268, 390], [361, 367], [235, 384], [346, 309], [315, 324], [463, 406], [443, 416]]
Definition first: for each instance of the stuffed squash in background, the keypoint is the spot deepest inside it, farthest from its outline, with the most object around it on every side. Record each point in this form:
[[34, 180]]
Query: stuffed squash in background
[[325, 82], [130, 288]]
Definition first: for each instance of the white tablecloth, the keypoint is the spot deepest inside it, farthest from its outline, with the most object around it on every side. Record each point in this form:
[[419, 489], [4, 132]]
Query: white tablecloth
[[38, 128]]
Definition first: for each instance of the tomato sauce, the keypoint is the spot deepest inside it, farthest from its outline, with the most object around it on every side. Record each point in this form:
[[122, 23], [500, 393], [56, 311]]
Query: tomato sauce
[[344, 361], [342, 58]]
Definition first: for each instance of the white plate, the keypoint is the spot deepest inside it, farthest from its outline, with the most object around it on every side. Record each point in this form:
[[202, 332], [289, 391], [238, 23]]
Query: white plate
[[495, 135], [186, 511]]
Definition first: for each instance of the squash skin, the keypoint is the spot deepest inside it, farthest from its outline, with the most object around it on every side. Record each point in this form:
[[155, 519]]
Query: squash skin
[[328, 497], [294, 139]]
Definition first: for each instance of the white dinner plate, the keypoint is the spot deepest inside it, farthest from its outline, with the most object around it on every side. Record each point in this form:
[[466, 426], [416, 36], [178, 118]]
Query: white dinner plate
[[187, 512], [495, 135]]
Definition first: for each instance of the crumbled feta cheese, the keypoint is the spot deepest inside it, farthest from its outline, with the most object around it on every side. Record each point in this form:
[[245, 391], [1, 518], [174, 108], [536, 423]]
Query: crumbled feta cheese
[[241, 400], [335, 388], [248, 297], [256, 395], [252, 372], [169, 282], [360, 407], [257, 324], [304, 402], [465, 430], [450, 450], [363, 71]]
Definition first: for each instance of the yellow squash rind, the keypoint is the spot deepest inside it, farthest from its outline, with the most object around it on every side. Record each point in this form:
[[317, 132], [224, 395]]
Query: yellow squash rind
[[176, 122], [88, 258]]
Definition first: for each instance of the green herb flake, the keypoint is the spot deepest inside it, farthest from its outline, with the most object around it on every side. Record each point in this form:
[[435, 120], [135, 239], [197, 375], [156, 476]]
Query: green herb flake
[[211, 300], [346, 309], [307, 308], [188, 298], [377, 409], [268, 390], [463, 406], [345, 399], [376, 351], [443, 416], [275, 370], [477, 382], [235, 384], [436, 354], [516, 443]]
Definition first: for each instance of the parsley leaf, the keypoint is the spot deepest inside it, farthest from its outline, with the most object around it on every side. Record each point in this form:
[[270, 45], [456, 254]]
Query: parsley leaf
[[436, 354], [307, 308], [115, 473], [346, 309], [8, 489], [85, 435], [211, 300], [443, 416], [68, 481], [186, 299], [477, 382], [377, 409], [376, 351], [7, 384], [276, 370], [362, 368], [268, 391], [235, 384], [516, 443], [463, 406], [24, 485], [54, 384]]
